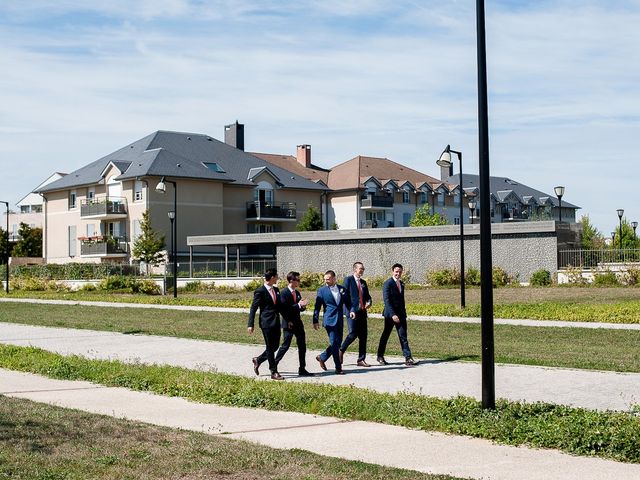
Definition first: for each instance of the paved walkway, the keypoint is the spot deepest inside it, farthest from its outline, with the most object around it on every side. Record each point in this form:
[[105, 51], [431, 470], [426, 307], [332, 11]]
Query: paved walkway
[[425, 318], [581, 388], [364, 441]]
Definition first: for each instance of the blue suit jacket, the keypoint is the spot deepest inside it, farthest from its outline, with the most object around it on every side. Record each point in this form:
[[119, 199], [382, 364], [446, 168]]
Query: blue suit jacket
[[333, 313], [352, 289]]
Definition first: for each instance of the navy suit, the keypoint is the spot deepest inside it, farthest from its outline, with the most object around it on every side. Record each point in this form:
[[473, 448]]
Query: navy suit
[[394, 305], [332, 319], [269, 323], [292, 325], [358, 325]]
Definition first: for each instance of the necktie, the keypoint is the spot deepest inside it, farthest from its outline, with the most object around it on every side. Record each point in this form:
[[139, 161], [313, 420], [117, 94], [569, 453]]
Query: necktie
[[398, 285], [273, 295], [360, 294]]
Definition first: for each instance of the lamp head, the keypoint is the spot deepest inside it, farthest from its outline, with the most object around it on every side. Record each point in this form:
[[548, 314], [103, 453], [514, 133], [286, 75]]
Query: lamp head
[[161, 187], [620, 213], [559, 191], [634, 225], [445, 158], [472, 204], [171, 214]]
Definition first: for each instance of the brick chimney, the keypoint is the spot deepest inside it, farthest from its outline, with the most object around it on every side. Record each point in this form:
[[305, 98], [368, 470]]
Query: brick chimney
[[234, 135], [303, 155]]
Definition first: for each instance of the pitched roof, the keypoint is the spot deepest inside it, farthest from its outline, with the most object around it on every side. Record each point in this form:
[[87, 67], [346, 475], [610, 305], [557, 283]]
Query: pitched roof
[[179, 155], [290, 163]]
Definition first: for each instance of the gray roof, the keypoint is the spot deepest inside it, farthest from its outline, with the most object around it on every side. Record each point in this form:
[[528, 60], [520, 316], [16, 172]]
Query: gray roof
[[179, 155], [502, 186]]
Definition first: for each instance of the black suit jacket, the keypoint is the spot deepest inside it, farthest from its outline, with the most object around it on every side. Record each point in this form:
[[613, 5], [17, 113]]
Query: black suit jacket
[[393, 300], [289, 307], [269, 312]]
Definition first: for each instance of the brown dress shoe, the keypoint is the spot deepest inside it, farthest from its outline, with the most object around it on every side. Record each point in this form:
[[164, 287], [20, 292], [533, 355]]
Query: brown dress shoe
[[256, 365], [276, 376], [321, 362], [382, 361], [362, 363]]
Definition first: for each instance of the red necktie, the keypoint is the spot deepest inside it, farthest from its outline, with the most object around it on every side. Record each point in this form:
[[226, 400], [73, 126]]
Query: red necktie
[[398, 285], [273, 295], [360, 294]]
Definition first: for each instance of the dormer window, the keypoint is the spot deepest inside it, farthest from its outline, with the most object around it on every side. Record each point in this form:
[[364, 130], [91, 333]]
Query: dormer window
[[405, 197]]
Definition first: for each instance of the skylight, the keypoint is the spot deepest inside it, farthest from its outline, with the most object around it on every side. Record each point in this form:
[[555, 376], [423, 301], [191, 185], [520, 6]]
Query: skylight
[[214, 167]]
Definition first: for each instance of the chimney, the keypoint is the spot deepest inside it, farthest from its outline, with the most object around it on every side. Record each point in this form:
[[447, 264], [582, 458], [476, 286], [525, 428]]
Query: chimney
[[303, 155], [234, 135]]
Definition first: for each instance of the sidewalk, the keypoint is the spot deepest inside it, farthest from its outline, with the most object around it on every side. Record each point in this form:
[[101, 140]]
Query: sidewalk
[[424, 318], [579, 388], [404, 448]]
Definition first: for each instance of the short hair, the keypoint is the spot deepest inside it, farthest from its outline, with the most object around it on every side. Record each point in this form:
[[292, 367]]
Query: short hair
[[357, 263], [270, 273], [330, 272], [396, 265], [292, 276]]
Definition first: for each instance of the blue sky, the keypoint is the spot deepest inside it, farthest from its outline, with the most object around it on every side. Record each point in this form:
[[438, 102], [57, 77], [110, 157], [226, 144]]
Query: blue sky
[[395, 79]]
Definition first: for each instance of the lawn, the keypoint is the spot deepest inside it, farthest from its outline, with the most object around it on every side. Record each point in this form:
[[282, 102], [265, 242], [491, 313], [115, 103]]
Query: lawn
[[600, 349]]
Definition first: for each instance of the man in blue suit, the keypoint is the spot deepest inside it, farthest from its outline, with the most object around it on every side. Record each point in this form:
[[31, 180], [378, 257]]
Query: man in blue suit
[[333, 299], [358, 293], [395, 315]]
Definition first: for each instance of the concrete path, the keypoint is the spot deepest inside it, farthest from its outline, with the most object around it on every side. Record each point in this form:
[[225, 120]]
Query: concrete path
[[580, 388], [368, 442], [424, 318]]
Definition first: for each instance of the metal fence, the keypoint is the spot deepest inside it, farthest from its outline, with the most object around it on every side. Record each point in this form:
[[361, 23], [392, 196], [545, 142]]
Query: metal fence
[[587, 259], [216, 268]]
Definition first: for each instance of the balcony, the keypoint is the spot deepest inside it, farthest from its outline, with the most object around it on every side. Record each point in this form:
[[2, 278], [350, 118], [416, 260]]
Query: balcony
[[376, 201], [376, 224], [104, 208], [266, 211], [101, 246]]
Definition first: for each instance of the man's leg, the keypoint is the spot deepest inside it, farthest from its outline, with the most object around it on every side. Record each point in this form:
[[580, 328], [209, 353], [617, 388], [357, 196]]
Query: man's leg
[[384, 338], [272, 336], [301, 340], [353, 333], [286, 343], [362, 336], [402, 335]]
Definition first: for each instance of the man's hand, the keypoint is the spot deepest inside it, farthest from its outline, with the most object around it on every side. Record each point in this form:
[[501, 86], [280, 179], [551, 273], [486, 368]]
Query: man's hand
[[250, 330], [367, 305], [303, 303], [352, 315], [316, 326], [395, 319], [290, 325]]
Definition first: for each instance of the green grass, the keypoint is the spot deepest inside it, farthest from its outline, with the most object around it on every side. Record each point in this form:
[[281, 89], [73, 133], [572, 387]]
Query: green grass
[[43, 442], [599, 349], [566, 304], [614, 435]]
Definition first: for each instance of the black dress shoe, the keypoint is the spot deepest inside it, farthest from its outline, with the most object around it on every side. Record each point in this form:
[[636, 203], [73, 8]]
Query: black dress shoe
[[276, 376], [339, 371], [321, 362], [410, 362], [304, 373], [362, 363], [256, 365], [382, 361]]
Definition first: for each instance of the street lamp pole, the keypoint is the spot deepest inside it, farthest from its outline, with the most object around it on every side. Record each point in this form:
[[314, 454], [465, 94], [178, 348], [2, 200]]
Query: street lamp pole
[[162, 188], [445, 161], [620, 212], [6, 253], [472, 208], [559, 193]]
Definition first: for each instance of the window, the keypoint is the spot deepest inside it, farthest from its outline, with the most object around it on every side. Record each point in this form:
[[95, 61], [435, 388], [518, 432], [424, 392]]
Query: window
[[91, 229], [423, 197], [440, 198], [72, 240], [405, 197], [25, 209], [456, 198], [36, 208], [263, 228], [456, 220], [72, 199], [213, 166], [136, 229], [91, 193], [264, 193], [137, 191], [406, 217]]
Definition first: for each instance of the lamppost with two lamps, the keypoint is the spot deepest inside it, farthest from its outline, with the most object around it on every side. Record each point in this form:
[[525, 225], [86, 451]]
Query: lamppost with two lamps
[[162, 188]]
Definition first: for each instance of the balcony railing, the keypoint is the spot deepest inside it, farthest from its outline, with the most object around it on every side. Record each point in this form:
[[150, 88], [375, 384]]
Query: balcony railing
[[102, 246], [376, 224], [262, 210], [588, 259], [103, 207], [379, 201]]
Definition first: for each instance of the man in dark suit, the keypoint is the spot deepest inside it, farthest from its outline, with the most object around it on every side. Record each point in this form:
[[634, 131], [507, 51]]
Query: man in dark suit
[[395, 315], [267, 299], [360, 299], [292, 304], [333, 299]]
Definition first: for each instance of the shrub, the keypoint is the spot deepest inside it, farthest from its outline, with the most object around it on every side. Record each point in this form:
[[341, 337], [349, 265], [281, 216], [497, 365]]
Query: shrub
[[114, 282], [443, 278], [632, 276], [148, 287], [574, 276], [311, 280], [254, 284], [88, 287], [540, 278], [500, 277], [472, 277], [607, 278]]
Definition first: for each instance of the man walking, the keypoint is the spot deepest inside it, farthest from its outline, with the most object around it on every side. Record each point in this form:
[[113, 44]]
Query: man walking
[[360, 299], [395, 315], [267, 299], [333, 299], [292, 304]]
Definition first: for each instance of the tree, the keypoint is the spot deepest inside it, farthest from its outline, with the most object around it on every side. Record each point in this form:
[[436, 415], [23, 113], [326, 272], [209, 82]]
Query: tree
[[423, 218], [149, 246], [628, 240], [591, 238], [30, 243], [4, 245], [310, 221]]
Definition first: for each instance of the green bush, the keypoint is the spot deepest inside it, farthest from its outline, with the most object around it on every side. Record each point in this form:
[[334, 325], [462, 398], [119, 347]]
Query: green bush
[[605, 279], [146, 286], [500, 277], [540, 278], [88, 287], [311, 280], [472, 277], [574, 276], [443, 278], [114, 282], [254, 284], [632, 276]]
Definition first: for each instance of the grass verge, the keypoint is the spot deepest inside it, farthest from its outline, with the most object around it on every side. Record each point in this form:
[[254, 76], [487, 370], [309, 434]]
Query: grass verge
[[614, 435], [41, 442], [598, 349]]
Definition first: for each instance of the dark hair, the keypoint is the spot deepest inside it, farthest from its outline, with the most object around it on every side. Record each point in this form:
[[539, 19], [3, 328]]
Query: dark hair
[[293, 276], [357, 263], [396, 265], [269, 274], [330, 272]]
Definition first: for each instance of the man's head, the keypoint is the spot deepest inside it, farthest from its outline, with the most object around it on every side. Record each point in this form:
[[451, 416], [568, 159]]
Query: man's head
[[396, 271], [271, 276], [358, 269], [330, 278], [293, 278]]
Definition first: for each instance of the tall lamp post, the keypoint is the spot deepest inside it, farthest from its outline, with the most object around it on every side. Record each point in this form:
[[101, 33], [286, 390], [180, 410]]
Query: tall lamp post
[[445, 161], [6, 254], [559, 193], [173, 218], [620, 214], [472, 208], [634, 225]]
